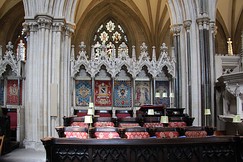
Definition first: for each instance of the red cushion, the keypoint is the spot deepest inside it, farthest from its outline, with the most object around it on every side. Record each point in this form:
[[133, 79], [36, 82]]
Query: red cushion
[[81, 135], [128, 125], [106, 135], [104, 114], [169, 134], [123, 115], [80, 114], [152, 125], [137, 135], [177, 124], [196, 133], [80, 124], [104, 124]]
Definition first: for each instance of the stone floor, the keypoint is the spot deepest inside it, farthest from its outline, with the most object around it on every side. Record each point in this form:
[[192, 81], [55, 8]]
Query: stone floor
[[24, 155]]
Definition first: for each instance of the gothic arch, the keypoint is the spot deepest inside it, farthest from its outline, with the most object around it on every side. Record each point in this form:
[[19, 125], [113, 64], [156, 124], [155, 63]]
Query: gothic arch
[[55, 8], [136, 30], [176, 12], [237, 36], [11, 24]]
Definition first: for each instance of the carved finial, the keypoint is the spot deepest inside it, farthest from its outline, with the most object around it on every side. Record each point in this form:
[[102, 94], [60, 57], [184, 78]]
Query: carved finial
[[153, 53], [1, 52], [82, 46], [72, 52], [133, 53], [143, 47], [230, 49], [9, 46], [123, 46], [163, 47], [21, 51]]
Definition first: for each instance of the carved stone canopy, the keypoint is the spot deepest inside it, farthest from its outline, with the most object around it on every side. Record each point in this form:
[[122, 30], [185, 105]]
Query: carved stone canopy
[[99, 57], [10, 59], [233, 82]]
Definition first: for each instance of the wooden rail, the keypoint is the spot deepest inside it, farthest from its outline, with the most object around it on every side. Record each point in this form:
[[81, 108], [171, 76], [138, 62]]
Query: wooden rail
[[213, 148]]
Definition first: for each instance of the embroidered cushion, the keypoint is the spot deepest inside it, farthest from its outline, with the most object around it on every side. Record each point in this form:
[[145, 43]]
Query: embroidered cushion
[[137, 135], [80, 124], [169, 134], [127, 125], [177, 124], [81, 135], [106, 135], [123, 115], [196, 133], [152, 125], [104, 124]]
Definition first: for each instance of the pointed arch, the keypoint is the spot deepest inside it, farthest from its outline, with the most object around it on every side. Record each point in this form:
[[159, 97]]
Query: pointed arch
[[136, 30]]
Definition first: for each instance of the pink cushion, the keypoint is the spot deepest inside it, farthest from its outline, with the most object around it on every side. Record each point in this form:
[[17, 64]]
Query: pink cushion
[[104, 114], [123, 115], [169, 134], [177, 124], [196, 133], [80, 114], [80, 124], [104, 124], [127, 125], [81, 135], [137, 135], [106, 135], [152, 125]]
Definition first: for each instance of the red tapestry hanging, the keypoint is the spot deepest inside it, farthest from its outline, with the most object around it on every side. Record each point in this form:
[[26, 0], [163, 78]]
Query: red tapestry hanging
[[103, 93], [14, 95]]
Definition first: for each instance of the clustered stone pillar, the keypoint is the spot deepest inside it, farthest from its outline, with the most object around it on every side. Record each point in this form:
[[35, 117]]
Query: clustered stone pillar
[[176, 29], [205, 65], [187, 25], [48, 94]]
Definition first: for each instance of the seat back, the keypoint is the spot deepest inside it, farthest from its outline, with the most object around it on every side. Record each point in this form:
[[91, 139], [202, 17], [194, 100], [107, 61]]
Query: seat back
[[106, 133], [76, 132], [136, 133]]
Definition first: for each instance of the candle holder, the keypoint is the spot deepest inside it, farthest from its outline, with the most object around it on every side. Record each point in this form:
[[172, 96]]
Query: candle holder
[[237, 120], [89, 120], [165, 120]]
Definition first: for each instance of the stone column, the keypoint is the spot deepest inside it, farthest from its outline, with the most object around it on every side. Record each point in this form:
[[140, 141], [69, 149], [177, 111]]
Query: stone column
[[205, 66], [187, 26], [36, 119], [213, 31], [176, 29], [48, 85]]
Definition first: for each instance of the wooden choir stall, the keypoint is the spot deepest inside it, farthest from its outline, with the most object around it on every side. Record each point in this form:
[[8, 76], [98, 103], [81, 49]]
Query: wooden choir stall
[[145, 138]]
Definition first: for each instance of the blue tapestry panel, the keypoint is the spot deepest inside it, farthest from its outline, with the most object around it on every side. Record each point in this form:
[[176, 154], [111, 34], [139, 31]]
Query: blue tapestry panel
[[1, 92], [122, 94], [162, 87], [83, 91], [142, 93]]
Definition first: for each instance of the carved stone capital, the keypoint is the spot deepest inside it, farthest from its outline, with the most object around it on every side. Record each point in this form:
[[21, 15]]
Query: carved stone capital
[[44, 21], [176, 29], [70, 28], [214, 28], [30, 26], [187, 24], [58, 25], [203, 23]]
